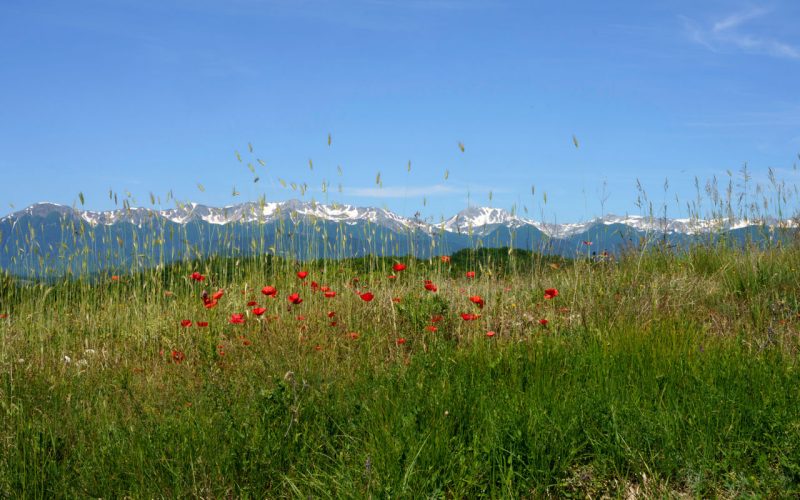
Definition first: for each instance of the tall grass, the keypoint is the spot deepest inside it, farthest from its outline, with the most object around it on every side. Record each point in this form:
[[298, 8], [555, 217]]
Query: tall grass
[[656, 372]]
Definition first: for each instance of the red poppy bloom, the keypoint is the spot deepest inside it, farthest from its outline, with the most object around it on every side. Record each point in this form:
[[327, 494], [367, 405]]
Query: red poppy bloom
[[332, 323], [115, 278], [252, 303], [330, 294], [431, 328], [197, 276], [269, 291], [210, 304], [178, 356], [318, 347], [392, 277], [470, 316], [331, 314], [314, 286], [490, 334], [294, 298], [245, 341], [430, 286], [201, 324], [218, 294], [302, 275], [237, 318], [400, 341], [470, 274], [436, 318], [550, 293], [353, 335], [3, 316], [543, 322], [366, 297], [446, 259], [398, 267], [301, 318], [477, 300], [258, 311], [396, 300], [186, 323]]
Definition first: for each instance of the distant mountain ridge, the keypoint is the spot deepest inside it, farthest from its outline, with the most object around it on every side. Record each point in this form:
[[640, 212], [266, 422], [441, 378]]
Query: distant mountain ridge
[[46, 237], [480, 220]]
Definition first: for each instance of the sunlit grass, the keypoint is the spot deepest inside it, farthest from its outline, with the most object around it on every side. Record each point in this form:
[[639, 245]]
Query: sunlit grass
[[488, 372]]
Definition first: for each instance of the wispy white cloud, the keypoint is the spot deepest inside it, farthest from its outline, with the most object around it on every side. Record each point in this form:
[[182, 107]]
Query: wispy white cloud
[[727, 33], [403, 192]]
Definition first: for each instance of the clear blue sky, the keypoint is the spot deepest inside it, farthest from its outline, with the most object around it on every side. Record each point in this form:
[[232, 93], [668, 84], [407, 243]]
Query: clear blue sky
[[151, 96]]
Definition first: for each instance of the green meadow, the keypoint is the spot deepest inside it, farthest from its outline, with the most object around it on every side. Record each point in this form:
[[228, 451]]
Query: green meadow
[[652, 373]]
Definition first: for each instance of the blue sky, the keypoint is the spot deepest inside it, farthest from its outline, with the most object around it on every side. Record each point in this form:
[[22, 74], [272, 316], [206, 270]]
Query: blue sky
[[152, 96]]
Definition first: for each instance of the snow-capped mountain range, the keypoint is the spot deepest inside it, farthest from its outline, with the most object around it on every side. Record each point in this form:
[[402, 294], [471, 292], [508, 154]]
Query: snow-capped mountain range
[[473, 220], [51, 239]]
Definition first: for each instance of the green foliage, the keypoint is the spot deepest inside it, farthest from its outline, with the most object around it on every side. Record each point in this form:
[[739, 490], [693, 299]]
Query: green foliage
[[660, 373]]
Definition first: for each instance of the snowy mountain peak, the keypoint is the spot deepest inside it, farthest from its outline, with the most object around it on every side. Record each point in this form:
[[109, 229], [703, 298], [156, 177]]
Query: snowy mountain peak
[[483, 219]]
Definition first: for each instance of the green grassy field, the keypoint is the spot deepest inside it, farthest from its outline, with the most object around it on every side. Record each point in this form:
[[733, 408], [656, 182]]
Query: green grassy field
[[655, 375]]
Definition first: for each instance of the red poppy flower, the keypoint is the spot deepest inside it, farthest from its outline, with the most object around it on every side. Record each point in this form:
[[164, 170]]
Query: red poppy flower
[[330, 294], [490, 334], [477, 300], [446, 259], [543, 322], [400, 341], [353, 335], [550, 293], [366, 297], [302, 275], [258, 311], [431, 328], [331, 314], [218, 294], [186, 323], [396, 300], [300, 318], [436, 318], [237, 318], [210, 304], [252, 303], [324, 288], [115, 278], [3, 316], [470, 274], [197, 276], [398, 267], [201, 324], [470, 316], [269, 291], [178, 356], [314, 286], [332, 323], [317, 347], [294, 298], [430, 286], [392, 277]]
